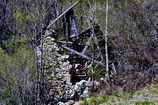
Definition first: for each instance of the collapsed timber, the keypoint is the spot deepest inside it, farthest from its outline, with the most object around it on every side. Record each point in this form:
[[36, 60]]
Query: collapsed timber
[[77, 46]]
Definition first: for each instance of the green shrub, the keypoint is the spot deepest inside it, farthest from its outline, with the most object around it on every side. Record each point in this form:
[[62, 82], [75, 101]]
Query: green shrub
[[85, 102], [17, 71], [95, 101], [145, 103]]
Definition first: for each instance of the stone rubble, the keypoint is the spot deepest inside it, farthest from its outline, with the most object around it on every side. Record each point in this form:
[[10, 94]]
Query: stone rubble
[[61, 91], [75, 92]]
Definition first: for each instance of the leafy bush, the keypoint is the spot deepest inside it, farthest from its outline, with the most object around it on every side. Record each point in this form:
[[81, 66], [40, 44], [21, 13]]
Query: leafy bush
[[17, 76], [95, 101], [145, 103]]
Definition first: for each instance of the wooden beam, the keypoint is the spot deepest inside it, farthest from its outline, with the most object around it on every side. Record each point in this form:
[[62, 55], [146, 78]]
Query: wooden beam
[[61, 15], [113, 67], [64, 42], [85, 48], [96, 42], [98, 47], [82, 55], [82, 32]]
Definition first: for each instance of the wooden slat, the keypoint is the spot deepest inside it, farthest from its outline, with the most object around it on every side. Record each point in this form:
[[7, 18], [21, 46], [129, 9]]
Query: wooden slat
[[61, 15], [82, 32], [85, 48], [88, 43], [98, 47], [82, 55]]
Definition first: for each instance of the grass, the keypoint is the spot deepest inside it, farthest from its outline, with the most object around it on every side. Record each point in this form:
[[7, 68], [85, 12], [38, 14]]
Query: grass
[[146, 96], [95, 101]]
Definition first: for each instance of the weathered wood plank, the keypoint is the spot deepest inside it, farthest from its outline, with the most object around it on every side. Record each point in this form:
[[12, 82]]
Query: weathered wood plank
[[98, 47], [82, 55], [81, 33], [61, 15], [96, 42], [85, 48]]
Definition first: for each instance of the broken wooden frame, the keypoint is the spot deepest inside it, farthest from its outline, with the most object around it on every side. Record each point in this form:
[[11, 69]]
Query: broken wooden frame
[[82, 55], [78, 35], [61, 15]]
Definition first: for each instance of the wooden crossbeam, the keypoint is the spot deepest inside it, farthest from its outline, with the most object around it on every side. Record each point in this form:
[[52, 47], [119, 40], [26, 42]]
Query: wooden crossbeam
[[82, 55], [82, 32], [64, 42], [88, 43], [61, 15]]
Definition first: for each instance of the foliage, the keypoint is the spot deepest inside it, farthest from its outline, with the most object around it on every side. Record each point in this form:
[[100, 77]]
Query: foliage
[[95, 101], [6, 24], [145, 103], [23, 19], [127, 98], [17, 73], [118, 99]]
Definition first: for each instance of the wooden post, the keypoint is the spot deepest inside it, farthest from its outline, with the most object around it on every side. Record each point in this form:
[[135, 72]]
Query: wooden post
[[106, 40]]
